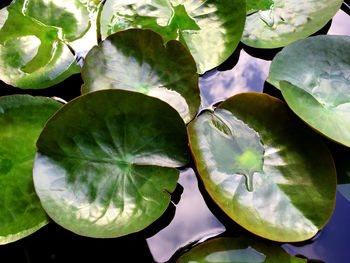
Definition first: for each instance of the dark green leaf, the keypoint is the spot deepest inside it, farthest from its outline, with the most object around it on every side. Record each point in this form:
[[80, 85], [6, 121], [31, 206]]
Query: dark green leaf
[[22, 117], [137, 60], [264, 167], [210, 29], [106, 162]]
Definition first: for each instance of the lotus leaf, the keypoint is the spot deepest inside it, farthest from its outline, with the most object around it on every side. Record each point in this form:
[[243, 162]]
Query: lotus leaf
[[318, 85], [237, 250], [137, 60], [22, 117], [105, 165], [210, 29], [35, 37], [277, 23], [264, 168]]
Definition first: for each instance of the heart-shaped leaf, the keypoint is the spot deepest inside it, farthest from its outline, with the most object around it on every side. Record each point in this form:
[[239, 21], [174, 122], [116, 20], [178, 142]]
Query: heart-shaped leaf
[[264, 167], [106, 162], [277, 23], [22, 117], [210, 29], [137, 60], [34, 38], [237, 250], [318, 91]]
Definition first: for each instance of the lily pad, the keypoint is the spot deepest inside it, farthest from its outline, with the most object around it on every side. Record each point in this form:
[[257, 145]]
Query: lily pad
[[210, 29], [237, 250], [277, 23], [22, 117], [35, 37], [137, 60], [318, 91], [105, 165], [264, 168]]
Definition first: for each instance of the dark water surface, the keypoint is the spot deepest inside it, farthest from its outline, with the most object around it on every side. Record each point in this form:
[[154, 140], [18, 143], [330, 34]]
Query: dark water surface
[[192, 216]]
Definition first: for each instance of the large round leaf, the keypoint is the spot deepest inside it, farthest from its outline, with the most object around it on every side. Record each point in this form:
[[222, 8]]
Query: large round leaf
[[210, 29], [137, 60], [264, 167], [105, 162], [33, 40], [22, 117], [318, 91], [277, 23], [237, 250]]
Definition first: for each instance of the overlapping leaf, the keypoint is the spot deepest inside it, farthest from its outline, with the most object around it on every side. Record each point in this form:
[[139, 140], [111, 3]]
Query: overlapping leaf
[[237, 250], [33, 40], [264, 168], [106, 162], [318, 83], [210, 29], [137, 60], [277, 23], [21, 119]]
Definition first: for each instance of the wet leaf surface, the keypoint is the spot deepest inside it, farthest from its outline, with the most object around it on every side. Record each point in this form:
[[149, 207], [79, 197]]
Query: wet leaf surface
[[35, 39], [263, 167], [211, 30]]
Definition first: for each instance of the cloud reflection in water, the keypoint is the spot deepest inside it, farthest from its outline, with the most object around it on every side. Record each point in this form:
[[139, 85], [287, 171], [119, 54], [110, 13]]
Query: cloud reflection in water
[[249, 74], [192, 221]]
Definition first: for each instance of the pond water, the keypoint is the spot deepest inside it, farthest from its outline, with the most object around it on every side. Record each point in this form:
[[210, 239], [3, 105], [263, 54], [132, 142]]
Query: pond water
[[192, 217]]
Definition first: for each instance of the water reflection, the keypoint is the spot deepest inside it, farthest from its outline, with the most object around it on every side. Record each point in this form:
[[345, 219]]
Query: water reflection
[[249, 74], [340, 24], [193, 221], [332, 243]]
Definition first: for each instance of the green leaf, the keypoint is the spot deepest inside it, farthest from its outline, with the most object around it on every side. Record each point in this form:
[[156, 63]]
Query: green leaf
[[137, 60], [237, 250], [272, 24], [318, 84], [22, 117], [35, 37], [264, 168], [106, 162], [210, 29]]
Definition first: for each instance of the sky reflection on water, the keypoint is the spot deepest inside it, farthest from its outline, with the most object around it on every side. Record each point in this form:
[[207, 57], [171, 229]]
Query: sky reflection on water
[[192, 222], [249, 74]]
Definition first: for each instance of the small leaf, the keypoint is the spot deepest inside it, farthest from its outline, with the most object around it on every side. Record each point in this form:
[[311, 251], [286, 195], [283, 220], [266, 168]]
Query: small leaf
[[22, 117], [106, 162], [269, 173], [210, 29], [237, 250], [318, 84], [277, 23], [137, 60]]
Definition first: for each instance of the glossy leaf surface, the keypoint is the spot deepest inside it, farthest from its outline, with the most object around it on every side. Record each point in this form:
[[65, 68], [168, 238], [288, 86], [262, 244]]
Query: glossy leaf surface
[[237, 250], [277, 23], [264, 167], [106, 162], [22, 117], [210, 29], [137, 60], [318, 91], [34, 39]]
